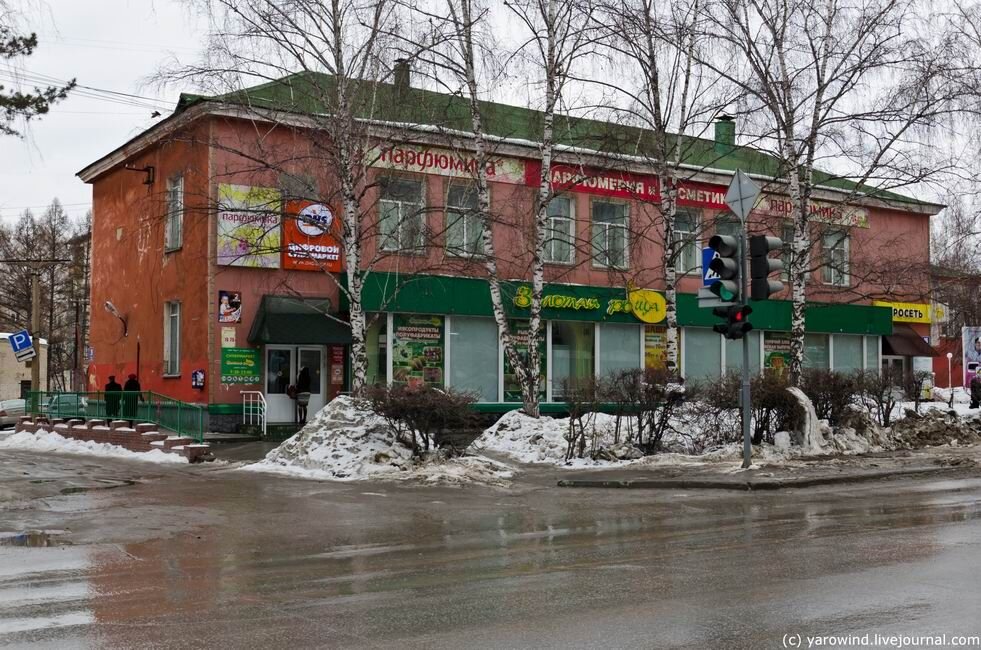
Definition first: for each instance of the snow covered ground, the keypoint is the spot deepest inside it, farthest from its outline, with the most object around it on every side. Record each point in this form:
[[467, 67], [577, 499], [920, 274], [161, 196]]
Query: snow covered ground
[[53, 442], [347, 442]]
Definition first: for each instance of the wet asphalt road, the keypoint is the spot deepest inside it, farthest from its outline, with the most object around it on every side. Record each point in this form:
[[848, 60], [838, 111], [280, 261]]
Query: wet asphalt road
[[146, 556]]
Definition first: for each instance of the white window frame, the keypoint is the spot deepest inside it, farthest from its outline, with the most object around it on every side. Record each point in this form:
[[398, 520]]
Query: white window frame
[[787, 250], [834, 272], [172, 357], [417, 248], [680, 236], [607, 227], [466, 218], [174, 221], [550, 239]]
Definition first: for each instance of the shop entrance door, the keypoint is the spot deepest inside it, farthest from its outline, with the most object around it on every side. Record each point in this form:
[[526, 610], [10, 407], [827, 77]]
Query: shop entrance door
[[313, 358], [280, 373], [894, 364]]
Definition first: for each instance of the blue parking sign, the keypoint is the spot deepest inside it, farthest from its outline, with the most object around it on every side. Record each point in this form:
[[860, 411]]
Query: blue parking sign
[[20, 341]]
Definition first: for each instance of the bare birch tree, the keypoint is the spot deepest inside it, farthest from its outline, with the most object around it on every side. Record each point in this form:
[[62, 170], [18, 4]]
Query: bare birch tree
[[852, 86]]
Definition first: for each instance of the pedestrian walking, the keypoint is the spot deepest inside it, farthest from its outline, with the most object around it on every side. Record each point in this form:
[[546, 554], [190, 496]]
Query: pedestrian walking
[[113, 394], [131, 394], [303, 383], [976, 391]]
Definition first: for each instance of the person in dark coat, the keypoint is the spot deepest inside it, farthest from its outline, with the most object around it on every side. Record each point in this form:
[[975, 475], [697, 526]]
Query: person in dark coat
[[112, 391], [131, 393], [976, 391], [303, 383]]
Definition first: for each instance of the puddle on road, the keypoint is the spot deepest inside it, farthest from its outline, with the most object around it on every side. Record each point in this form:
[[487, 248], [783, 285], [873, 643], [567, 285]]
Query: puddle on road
[[33, 538], [110, 485]]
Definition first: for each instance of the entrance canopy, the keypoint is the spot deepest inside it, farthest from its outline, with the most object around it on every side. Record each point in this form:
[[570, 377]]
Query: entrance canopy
[[297, 321], [905, 342]]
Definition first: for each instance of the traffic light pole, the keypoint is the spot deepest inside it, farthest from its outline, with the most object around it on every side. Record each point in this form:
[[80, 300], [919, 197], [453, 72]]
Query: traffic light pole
[[747, 404]]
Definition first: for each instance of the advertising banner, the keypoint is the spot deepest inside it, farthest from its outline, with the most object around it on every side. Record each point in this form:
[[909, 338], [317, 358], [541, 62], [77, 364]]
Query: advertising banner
[[655, 347], [836, 214], [446, 162], [248, 226], [309, 241], [520, 330], [240, 366], [229, 307], [971, 344], [417, 350], [776, 351], [907, 312]]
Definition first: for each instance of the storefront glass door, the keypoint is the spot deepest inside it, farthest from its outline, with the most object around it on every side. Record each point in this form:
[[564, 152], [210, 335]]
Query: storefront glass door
[[313, 360], [280, 374]]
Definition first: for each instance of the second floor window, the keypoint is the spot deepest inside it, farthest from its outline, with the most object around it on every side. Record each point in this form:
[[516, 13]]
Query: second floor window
[[401, 215], [727, 225], [685, 242], [174, 222], [835, 268], [560, 231], [610, 234], [464, 227]]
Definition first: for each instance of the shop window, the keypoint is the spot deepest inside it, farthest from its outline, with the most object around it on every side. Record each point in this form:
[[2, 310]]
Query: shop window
[[376, 347], [464, 226], [847, 353], [474, 356], [401, 215], [610, 240], [520, 335], [872, 353], [417, 350], [686, 242], [816, 351], [619, 348], [560, 231], [572, 355], [174, 223], [703, 353], [835, 247], [172, 338], [734, 354]]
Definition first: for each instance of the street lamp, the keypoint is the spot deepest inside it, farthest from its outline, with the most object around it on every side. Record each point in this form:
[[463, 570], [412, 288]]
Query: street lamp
[[950, 385], [111, 308]]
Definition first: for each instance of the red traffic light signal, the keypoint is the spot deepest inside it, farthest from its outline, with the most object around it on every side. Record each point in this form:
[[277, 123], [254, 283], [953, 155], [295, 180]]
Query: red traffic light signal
[[736, 323]]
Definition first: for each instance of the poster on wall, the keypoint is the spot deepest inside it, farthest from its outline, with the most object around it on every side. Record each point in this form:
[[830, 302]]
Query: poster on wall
[[776, 352], [417, 350], [197, 379], [337, 365], [229, 307], [228, 337], [240, 366], [248, 226], [309, 241], [520, 331], [971, 344], [655, 347]]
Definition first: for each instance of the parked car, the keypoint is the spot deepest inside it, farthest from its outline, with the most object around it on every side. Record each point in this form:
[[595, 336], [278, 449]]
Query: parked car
[[10, 411], [65, 406]]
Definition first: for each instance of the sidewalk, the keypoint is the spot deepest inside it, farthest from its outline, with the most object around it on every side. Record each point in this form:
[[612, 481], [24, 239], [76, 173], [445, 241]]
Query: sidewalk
[[956, 462]]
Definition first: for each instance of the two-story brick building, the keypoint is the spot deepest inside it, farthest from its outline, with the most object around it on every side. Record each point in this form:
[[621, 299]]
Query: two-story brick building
[[213, 235]]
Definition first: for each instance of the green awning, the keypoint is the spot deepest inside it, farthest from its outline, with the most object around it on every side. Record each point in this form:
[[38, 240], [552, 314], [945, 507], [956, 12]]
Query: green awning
[[288, 320]]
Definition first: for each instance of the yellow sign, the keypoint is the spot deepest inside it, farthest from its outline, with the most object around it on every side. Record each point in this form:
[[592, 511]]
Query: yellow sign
[[648, 306], [907, 312]]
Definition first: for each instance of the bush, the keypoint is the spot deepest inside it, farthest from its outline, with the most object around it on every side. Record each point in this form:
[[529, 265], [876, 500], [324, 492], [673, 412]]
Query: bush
[[879, 392], [648, 398], [774, 409], [830, 392], [422, 416], [582, 397]]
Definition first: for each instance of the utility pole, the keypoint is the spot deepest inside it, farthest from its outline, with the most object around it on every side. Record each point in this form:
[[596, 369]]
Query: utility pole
[[36, 329]]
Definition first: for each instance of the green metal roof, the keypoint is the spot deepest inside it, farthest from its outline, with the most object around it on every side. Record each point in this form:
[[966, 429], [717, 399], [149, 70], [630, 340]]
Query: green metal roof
[[308, 93]]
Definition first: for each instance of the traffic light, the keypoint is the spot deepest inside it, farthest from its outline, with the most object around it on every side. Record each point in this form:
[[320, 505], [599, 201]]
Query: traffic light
[[761, 266], [736, 323], [726, 266]]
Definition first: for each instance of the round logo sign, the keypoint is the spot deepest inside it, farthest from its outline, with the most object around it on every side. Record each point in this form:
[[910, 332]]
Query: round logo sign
[[314, 220]]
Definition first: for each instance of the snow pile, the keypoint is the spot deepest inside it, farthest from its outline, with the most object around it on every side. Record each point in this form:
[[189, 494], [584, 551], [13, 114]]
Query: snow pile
[[935, 427], [347, 441], [961, 395], [46, 441]]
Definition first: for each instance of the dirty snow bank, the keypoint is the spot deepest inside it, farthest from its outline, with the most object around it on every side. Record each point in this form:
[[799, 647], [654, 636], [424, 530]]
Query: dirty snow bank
[[346, 441], [46, 441]]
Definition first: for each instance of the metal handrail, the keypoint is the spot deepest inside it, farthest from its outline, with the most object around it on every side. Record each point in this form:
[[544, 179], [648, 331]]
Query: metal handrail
[[254, 409], [183, 418]]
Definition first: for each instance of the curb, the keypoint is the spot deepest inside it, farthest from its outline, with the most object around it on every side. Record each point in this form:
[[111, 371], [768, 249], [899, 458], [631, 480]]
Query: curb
[[750, 485]]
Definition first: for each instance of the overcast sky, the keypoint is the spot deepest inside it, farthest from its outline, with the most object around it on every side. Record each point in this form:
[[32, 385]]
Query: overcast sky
[[106, 44]]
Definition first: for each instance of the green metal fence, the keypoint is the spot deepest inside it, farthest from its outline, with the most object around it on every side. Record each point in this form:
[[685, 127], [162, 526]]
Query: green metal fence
[[180, 417]]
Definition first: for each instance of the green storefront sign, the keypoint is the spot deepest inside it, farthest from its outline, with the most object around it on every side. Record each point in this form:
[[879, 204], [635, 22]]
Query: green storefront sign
[[240, 366]]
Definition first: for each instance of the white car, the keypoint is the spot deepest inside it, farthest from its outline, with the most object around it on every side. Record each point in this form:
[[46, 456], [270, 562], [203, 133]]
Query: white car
[[66, 405], [10, 411]]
